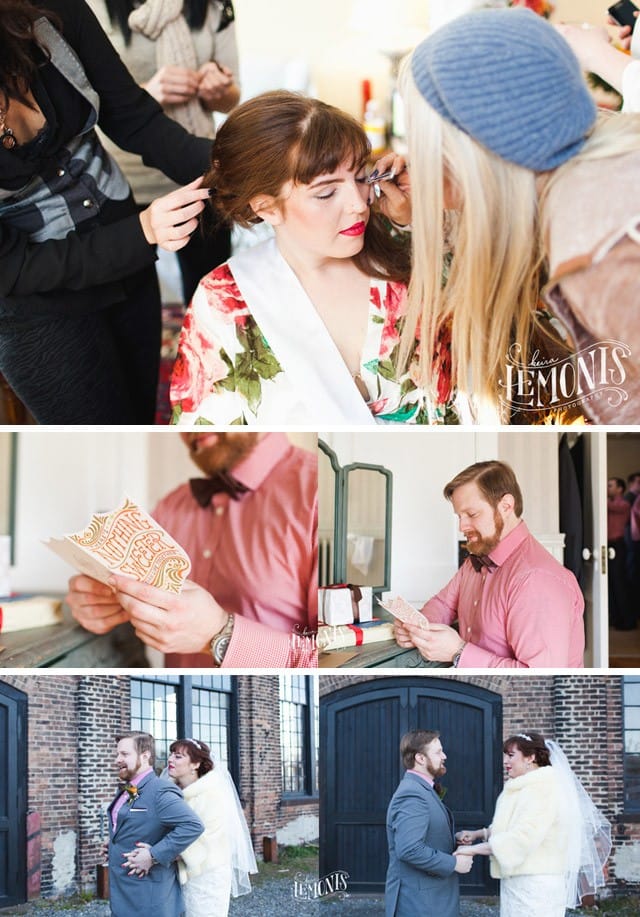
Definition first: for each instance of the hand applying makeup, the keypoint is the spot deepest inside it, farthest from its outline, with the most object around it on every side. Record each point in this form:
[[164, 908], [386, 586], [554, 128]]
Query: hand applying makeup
[[394, 200]]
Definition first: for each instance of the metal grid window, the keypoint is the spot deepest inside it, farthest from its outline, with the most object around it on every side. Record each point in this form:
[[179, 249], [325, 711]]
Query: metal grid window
[[199, 707], [298, 731], [631, 697], [211, 713]]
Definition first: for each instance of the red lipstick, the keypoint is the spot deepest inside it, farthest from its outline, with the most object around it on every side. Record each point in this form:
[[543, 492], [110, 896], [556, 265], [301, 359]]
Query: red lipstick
[[356, 230]]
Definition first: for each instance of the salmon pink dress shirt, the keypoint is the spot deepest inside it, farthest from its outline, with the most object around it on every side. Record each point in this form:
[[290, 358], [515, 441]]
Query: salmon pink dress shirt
[[257, 556], [124, 796], [618, 515], [525, 613]]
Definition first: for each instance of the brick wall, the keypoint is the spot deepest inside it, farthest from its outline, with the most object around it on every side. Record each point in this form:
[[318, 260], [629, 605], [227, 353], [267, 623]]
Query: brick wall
[[102, 713], [260, 761], [73, 723], [53, 774], [584, 714]]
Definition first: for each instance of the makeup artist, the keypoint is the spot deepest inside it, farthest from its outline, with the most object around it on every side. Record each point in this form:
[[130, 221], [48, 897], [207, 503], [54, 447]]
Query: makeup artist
[[184, 53], [79, 298]]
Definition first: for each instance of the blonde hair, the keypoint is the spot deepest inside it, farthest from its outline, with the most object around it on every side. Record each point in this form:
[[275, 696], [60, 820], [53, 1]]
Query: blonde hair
[[497, 239], [491, 293]]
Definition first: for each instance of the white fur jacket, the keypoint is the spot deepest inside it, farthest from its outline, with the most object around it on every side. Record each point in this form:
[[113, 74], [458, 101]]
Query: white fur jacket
[[211, 801], [530, 826]]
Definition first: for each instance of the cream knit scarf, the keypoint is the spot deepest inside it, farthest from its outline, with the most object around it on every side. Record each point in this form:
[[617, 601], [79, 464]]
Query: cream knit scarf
[[162, 21]]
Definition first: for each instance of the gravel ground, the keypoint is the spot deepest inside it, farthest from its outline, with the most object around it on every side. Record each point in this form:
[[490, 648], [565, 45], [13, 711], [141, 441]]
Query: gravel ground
[[373, 906], [275, 898]]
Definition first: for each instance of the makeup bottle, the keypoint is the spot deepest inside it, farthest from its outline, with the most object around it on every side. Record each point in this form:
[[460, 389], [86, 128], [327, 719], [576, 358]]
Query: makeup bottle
[[375, 128]]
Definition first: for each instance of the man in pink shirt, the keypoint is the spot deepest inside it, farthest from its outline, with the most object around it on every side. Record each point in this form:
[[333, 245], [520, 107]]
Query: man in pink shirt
[[515, 605], [250, 530], [621, 616]]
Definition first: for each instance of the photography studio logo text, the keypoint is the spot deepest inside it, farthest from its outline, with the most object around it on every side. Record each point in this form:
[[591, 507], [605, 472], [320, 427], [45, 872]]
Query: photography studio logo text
[[595, 372]]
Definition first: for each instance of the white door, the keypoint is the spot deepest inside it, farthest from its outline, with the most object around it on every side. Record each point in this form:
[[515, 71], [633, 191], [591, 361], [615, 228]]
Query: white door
[[595, 550]]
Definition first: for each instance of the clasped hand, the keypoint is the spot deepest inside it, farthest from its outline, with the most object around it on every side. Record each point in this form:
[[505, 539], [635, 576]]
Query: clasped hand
[[173, 85], [464, 861], [138, 861]]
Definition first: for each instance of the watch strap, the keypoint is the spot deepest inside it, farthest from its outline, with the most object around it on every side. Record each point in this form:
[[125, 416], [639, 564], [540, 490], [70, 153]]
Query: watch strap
[[220, 641]]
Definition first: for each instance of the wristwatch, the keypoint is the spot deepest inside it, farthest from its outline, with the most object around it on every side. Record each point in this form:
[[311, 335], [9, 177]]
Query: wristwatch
[[456, 659], [220, 641]]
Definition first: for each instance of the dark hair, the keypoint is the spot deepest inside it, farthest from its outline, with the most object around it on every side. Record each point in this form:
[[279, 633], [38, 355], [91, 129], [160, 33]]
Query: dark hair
[[143, 741], [632, 477], [494, 480], [197, 751], [414, 743], [20, 50], [529, 743], [194, 11], [279, 137], [620, 482]]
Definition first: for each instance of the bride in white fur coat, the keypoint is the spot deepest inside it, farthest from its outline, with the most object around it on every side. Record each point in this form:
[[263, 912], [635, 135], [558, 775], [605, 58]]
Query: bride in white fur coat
[[218, 864], [547, 842]]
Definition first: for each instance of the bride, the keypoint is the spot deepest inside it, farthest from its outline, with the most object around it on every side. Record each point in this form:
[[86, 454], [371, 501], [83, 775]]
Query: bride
[[548, 843], [217, 864]]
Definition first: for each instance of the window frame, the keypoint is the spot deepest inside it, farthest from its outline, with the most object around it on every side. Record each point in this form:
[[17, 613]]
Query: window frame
[[310, 790], [630, 805], [185, 688]]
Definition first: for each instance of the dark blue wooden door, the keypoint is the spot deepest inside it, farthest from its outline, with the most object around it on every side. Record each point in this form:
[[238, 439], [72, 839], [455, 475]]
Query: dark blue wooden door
[[13, 796], [361, 726]]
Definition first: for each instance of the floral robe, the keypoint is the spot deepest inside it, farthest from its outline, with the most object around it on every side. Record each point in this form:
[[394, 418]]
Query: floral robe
[[226, 372]]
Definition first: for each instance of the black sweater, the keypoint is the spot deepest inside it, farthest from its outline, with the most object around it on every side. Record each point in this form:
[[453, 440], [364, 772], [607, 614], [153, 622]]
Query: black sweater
[[85, 269]]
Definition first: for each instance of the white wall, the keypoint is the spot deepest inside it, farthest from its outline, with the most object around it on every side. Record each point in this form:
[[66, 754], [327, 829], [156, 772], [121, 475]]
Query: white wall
[[424, 528], [64, 477], [339, 39], [331, 37]]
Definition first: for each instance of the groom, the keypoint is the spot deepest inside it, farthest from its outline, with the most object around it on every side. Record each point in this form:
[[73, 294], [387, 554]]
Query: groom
[[422, 878], [149, 812]]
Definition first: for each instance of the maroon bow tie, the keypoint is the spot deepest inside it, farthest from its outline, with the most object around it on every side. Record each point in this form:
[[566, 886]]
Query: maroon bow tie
[[222, 482], [482, 560]]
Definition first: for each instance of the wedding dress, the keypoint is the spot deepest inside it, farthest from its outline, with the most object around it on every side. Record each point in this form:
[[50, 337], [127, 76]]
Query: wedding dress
[[535, 896]]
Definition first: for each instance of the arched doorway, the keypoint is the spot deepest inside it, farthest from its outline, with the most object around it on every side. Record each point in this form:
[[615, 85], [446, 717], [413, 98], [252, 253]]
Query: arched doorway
[[361, 726], [13, 796]]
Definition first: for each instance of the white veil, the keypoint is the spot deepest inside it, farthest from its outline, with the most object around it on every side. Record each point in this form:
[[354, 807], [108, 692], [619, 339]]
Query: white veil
[[243, 859], [589, 840]]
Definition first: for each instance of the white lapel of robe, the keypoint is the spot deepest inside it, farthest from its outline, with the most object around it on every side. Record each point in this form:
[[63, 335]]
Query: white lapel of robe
[[297, 336]]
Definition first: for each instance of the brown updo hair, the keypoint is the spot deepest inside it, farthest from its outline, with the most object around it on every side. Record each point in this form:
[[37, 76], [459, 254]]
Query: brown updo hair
[[198, 752], [280, 136], [529, 743]]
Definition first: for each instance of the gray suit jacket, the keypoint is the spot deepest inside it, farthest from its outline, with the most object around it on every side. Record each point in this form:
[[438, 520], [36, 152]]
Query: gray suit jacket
[[421, 881], [158, 816]]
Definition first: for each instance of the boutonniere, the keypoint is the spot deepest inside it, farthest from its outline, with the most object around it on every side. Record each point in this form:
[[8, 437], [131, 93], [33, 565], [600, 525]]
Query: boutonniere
[[441, 791], [132, 792]]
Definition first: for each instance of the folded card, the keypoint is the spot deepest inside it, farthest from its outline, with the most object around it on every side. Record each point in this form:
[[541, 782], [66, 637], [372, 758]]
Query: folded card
[[127, 541], [405, 612]]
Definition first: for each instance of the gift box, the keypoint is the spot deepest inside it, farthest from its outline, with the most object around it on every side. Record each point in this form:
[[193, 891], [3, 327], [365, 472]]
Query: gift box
[[345, 604], [25, 612], [336, 637]]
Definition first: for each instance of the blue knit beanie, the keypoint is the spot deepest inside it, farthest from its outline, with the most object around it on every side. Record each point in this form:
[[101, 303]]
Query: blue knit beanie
[[510, 81]]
